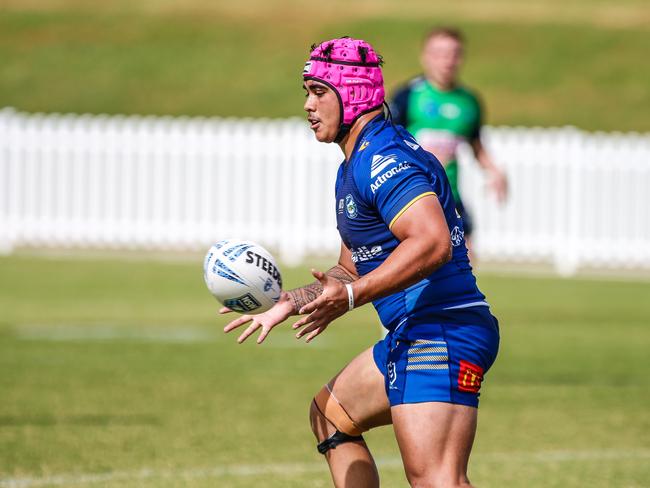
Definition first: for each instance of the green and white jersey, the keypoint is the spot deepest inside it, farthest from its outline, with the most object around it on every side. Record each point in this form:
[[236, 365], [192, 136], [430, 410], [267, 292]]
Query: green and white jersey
[[439, 120]]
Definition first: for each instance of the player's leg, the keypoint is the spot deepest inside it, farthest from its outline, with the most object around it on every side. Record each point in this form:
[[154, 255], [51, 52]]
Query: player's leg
[[351, 403], [435, 440], [436, 374]]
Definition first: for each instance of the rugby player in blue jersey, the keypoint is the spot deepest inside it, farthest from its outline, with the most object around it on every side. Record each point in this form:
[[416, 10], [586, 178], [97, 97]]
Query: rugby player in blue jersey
[[403, 250]]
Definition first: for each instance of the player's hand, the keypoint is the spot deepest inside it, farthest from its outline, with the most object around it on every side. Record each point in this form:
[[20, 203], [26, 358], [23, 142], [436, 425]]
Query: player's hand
[[266, 320], [331, 304], [498, 184]]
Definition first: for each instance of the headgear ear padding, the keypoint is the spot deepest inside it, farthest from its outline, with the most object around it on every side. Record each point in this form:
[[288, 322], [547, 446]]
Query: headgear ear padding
[[352, 68]]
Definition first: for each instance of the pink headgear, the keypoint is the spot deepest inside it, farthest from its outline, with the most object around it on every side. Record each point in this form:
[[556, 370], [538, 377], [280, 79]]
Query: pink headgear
[[352, 68]]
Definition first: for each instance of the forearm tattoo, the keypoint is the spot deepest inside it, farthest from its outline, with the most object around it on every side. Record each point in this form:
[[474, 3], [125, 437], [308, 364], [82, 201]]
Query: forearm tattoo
[[308, 293]]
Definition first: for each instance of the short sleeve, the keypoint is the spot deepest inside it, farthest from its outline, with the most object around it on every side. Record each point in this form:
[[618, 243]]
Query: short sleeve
[[395, 183], [478, 123]]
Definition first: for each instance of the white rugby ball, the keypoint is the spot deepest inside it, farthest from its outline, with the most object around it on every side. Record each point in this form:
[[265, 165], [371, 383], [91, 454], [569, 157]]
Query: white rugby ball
[[242, 275]]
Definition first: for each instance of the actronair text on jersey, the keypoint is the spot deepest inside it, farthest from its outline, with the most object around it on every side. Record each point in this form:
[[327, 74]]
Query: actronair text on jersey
[[381, 179]]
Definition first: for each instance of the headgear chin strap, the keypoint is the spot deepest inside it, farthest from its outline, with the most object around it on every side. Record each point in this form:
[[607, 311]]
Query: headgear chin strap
[[351, 68]]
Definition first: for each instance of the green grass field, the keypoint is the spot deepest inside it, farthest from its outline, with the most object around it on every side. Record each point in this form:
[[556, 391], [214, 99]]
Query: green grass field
[[114, 373], [547, 63]]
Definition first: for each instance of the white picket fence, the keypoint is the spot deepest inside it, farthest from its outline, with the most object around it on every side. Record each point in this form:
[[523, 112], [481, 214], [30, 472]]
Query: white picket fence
[[577, 199]]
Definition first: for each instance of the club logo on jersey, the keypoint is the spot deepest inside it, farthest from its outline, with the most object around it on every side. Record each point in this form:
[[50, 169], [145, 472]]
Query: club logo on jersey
[[364, 254], [457, 236], [364, 145], [381, 179], [412, 145], [470, 377], [379, 162], [392, 375], [341, 206], [350, 207]]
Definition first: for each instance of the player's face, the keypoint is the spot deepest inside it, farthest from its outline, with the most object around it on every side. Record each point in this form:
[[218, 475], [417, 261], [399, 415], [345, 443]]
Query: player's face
[[441, 59], [323, 111]]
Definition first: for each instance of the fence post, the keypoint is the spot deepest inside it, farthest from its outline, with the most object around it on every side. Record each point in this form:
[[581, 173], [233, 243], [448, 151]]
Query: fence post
[[567, 250], [6, 183]]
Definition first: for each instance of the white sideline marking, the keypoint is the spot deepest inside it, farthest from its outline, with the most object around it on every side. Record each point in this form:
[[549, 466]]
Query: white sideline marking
[[147, 334], [100, 332], [242, 470]]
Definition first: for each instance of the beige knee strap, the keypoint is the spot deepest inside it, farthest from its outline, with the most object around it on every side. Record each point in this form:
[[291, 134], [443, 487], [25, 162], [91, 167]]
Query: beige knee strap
[[332, 410]]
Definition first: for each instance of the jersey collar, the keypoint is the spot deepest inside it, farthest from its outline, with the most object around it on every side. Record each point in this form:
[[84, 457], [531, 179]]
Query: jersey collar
[[372, 127]]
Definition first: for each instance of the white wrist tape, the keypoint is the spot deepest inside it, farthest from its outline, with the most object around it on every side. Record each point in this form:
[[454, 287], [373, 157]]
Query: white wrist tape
[[348, 287]]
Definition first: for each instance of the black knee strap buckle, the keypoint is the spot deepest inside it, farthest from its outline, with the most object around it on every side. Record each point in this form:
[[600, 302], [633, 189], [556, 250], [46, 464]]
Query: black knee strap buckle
[[335, 439]]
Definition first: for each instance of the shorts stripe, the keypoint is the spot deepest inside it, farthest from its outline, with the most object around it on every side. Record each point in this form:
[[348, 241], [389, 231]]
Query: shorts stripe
[[424, 342], [429, 358], [441, 366], [422, 350]]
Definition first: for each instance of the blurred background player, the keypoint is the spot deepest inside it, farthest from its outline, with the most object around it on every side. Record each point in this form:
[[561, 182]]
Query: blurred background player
[[442, 113], [402, 249]]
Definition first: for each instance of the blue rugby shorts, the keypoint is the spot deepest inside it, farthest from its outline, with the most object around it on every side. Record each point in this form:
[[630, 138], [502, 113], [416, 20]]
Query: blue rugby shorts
[[437, 362]]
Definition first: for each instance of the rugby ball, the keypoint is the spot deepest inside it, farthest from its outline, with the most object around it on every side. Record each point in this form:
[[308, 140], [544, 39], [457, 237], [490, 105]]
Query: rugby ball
[[242, 275]]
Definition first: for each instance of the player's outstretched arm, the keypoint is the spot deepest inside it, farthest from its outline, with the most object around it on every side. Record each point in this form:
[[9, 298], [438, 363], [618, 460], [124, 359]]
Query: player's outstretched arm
[[344, 271], [264, 321], [497, 180], [424, 246], [332, 295], [291, 302]]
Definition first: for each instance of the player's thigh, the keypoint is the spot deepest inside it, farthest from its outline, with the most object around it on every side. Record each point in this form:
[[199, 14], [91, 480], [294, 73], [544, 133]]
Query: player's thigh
[[435, 440], [360, 389]]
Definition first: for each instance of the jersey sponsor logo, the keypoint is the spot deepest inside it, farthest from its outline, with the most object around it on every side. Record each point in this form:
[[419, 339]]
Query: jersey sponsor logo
[[381, 179], [457, 236], [244, 303], [341, 206], [379, 162], [470, 377], [412, 145], [364, 145], [350, 207], [364, 254], [449, 110], [442, 143]]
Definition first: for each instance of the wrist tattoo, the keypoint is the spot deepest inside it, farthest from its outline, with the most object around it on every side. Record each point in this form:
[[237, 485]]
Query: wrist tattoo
[[305, 294], [342, 274], [308, 293]]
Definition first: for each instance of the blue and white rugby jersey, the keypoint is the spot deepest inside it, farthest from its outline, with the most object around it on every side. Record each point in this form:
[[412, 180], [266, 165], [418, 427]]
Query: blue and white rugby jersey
[[387, 172]]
